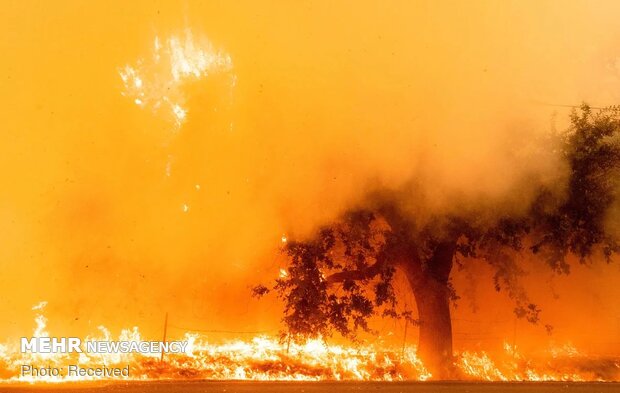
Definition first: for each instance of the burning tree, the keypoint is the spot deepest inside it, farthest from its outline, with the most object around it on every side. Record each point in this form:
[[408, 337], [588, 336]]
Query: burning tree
[[344, 273]]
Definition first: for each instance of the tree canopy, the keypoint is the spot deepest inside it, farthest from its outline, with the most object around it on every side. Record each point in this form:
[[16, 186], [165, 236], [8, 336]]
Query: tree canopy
[[344, 273]]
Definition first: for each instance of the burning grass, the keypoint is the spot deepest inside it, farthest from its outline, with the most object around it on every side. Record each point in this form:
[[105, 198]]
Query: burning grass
[[264, 358]]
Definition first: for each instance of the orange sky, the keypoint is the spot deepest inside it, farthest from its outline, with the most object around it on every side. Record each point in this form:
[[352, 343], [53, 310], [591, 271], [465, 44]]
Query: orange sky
[[99, 210]]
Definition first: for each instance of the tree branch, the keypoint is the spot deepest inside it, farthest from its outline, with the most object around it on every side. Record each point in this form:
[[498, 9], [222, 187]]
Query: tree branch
[[356, 275]]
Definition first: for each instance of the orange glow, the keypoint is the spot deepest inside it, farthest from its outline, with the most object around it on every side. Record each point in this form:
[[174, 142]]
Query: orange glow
[[157, 156]]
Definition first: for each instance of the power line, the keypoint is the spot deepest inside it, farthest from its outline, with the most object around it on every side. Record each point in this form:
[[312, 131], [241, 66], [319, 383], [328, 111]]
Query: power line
[[569, 106]]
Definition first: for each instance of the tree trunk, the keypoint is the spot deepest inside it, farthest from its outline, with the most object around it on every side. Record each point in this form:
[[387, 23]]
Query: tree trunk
[[432, 295], [435, 340]]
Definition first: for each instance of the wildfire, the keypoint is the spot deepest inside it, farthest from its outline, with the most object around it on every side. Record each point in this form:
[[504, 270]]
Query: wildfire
[[156, 81], [268, 358]]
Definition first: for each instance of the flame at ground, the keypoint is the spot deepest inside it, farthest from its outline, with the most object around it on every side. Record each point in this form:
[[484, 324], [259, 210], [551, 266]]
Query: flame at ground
[[268, 358]]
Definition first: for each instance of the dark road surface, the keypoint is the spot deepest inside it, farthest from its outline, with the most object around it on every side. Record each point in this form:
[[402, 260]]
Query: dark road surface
[[319, 387]]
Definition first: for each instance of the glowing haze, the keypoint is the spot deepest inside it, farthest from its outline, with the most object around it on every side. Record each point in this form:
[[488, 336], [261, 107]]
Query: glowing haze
[[154, 155]]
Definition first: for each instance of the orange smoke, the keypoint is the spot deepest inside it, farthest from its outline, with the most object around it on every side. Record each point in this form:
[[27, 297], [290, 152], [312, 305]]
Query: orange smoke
[[122, 200]]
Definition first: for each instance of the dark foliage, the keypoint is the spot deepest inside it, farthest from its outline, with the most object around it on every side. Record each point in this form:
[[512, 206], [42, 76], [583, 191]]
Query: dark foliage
[[343, 275]]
